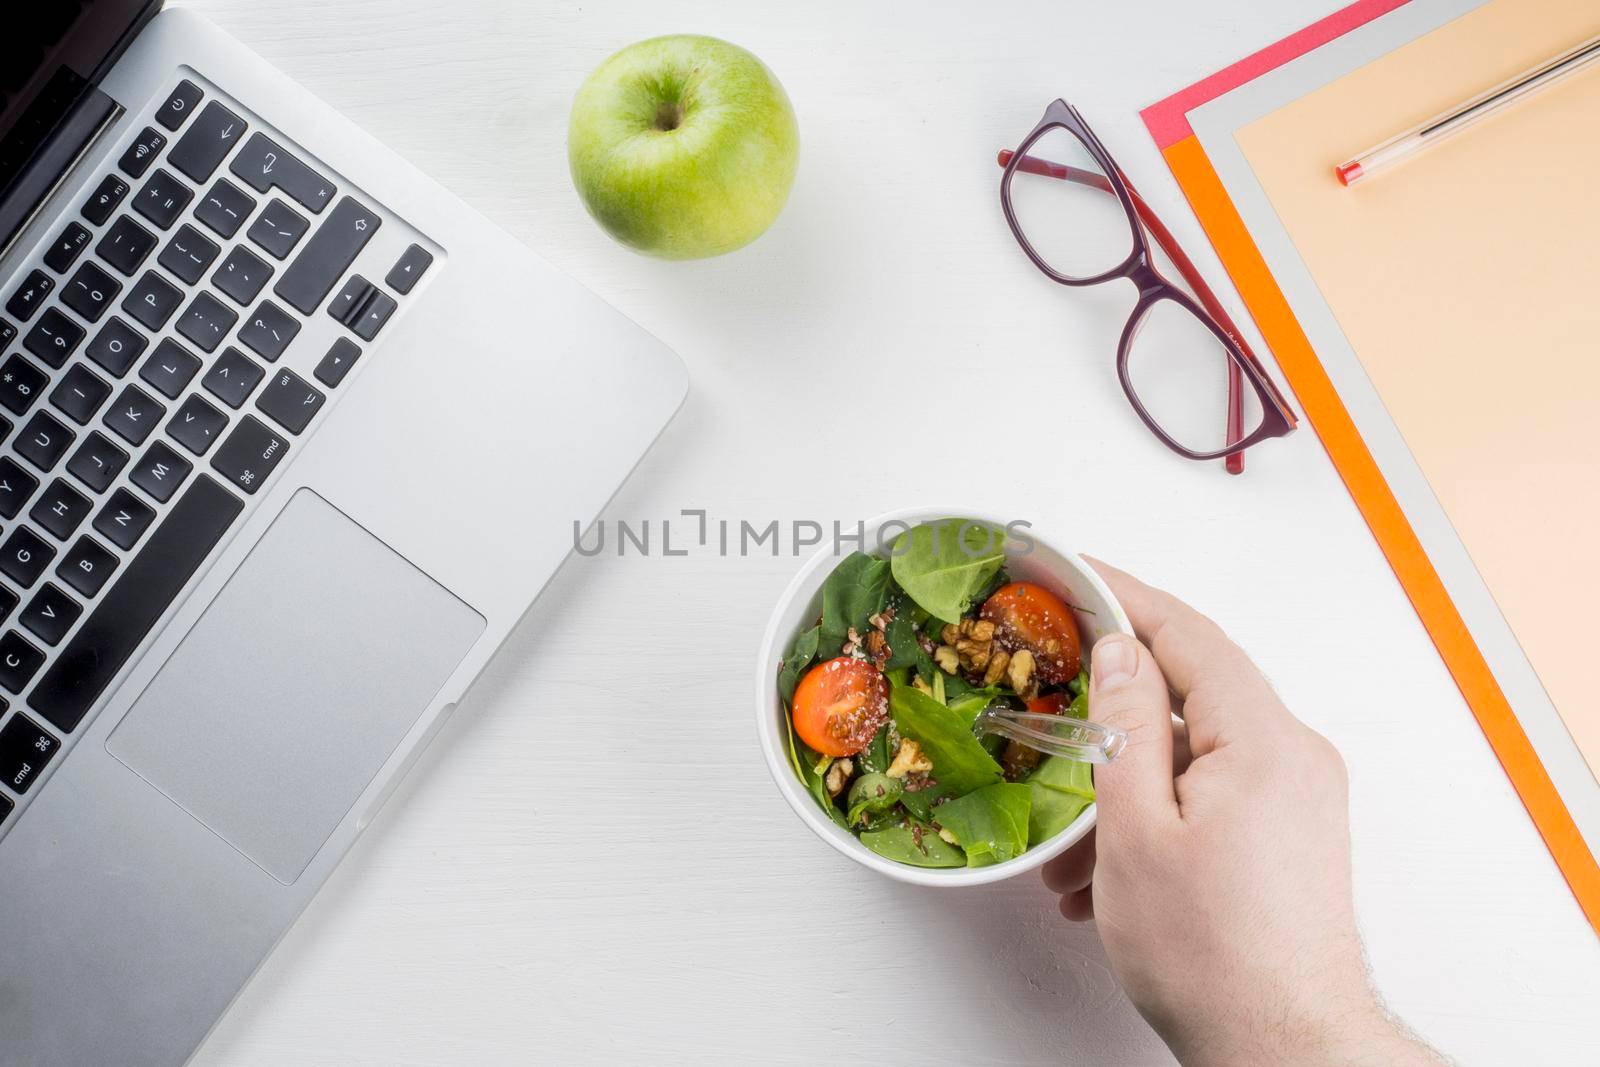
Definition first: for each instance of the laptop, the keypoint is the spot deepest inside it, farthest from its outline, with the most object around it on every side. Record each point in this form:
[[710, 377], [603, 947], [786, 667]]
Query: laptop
[[290, 438]]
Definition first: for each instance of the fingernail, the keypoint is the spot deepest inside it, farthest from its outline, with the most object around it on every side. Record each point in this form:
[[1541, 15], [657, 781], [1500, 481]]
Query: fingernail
[[1114, 661]]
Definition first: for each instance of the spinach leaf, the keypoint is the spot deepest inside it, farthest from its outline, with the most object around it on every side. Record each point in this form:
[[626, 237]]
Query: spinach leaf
[[991, 823], [1052, 811], [875, 758], [1065, 776], [904, 651], [872, 793], [944, 565], [857, 589], [920, 803], [972, 702], [915, 843], [801, 653], [811, 768], [959, 762]]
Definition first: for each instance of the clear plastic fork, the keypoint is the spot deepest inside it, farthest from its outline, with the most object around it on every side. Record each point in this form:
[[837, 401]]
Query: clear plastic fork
[[1056, 735]]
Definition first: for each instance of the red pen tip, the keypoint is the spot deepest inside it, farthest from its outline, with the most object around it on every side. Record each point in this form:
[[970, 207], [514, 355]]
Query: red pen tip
[[1348, 173]]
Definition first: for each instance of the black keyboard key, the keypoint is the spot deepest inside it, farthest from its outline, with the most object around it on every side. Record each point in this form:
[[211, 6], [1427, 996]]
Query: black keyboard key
[[68, 247], [24, 556], [134, 414], [196, 425], [214, 133], [123, 519], [43, 441], [25, 747], [160, 471], [116, 346], [126, 245], [188, 255], [5, 807], [290, 401], [30, 295], [327, 255], [8, 601], [249, 454], [163, 199], [413, 263], [232, 377], [90, 292], [180, 105], [16, 486], [375, 311], [104, 200], [8, 333], [264, 165], [115, 628], [269, 331], [60, 509], [86, 566], [97, 462], [207, 321], [142, 152], [242, 275], [152, 301], [79, 393], [170, 368], [54, 337], [337, 363], [225, 207], [50, 614], [20, 384], [346, 307], [279, 229]]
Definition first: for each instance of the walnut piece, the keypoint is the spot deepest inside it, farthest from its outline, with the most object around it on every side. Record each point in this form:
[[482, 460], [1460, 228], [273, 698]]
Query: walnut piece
[[908, 760], [1020, 674], [998, 662], [838, 775], [947, 659]]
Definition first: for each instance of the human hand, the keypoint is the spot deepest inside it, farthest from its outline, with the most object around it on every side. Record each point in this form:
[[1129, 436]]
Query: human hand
[[1218, 873]]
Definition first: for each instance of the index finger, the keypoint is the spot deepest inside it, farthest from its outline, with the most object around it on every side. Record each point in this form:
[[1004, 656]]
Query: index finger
[[1194, 654]]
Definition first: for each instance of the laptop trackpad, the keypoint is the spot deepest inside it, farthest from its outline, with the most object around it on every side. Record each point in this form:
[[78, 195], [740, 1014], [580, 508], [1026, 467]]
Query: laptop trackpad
[[296, 684]]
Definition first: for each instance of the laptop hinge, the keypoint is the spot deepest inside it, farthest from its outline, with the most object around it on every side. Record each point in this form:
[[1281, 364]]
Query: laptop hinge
[[57, 157]]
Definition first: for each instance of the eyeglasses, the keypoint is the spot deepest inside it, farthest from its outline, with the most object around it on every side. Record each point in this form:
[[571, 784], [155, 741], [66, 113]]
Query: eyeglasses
[[1182, 362]]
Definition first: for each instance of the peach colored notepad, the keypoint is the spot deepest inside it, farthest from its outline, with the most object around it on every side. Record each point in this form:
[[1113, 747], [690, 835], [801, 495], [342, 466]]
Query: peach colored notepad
[[1468, 282], [1460, 281]]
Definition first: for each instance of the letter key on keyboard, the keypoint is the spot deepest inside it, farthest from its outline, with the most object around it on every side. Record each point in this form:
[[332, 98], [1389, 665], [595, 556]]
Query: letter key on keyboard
[[132, 605]]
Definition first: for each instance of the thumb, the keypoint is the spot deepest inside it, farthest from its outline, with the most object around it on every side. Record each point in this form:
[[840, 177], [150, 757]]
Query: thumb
[[1127, 690]]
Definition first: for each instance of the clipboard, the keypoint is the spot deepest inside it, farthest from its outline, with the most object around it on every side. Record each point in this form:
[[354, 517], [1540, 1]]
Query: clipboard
[[1345, 291]]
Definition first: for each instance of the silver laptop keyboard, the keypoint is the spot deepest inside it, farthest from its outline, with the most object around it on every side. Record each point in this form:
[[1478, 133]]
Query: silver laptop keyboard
[[165, 352]]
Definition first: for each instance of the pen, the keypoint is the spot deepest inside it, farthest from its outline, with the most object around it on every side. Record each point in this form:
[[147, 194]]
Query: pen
[[1492, 102]]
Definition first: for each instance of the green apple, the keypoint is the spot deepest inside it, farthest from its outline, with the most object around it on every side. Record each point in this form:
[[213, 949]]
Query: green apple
[[683, 146]]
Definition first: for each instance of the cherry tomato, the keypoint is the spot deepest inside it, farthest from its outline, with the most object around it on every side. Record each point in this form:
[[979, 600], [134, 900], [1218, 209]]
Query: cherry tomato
[[1050, 704], [1029, 616], [839, 705]]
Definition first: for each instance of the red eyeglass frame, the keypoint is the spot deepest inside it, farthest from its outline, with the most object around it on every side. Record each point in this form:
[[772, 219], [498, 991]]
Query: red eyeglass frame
[[1278, 418]]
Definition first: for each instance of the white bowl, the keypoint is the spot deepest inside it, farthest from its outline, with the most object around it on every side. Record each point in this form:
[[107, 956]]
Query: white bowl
[[1097, 612]]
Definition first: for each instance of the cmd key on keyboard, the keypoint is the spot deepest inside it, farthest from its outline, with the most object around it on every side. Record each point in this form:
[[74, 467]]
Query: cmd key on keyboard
[[133, 604]]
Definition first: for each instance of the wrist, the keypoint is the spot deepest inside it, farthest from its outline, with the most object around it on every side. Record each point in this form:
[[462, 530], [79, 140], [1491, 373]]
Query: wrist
[[1354, 1033]]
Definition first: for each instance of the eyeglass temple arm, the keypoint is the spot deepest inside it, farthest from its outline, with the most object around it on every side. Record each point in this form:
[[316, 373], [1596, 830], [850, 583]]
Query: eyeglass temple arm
[[1186, 267]]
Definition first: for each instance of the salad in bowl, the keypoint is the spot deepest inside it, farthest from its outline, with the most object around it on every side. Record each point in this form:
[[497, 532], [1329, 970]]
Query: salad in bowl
[[880, 675]]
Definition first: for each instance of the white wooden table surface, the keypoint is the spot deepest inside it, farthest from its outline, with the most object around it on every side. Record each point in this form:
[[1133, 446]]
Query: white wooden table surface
[[591, 863]]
